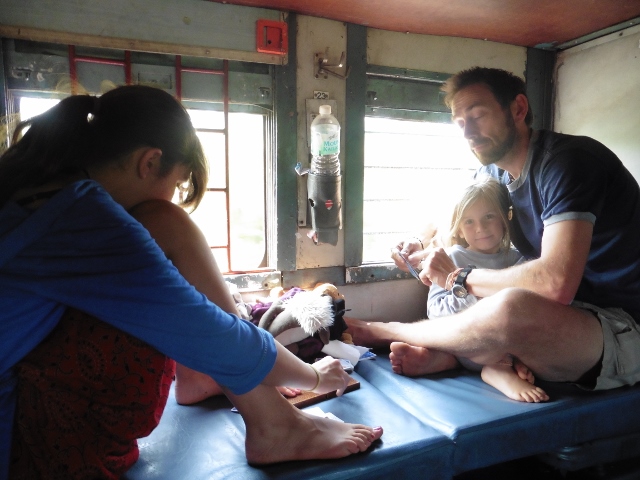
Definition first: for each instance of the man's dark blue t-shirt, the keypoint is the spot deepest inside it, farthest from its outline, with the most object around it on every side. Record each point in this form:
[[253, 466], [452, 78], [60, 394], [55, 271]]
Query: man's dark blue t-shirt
[[577, 178]]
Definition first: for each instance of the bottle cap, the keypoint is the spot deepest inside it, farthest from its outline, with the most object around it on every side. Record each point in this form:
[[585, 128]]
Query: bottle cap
[[325, 109]]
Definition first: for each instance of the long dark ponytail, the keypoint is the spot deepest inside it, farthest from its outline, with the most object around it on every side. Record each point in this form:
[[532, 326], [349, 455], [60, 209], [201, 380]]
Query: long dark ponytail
[[50, 147], [84, 131]]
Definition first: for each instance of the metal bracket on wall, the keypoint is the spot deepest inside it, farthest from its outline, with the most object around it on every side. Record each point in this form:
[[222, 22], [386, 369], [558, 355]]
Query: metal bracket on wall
[[324, 68]]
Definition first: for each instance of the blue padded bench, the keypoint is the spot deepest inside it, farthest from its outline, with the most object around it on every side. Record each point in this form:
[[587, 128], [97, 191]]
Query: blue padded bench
[[488, 428], [206, 441], [435, 427]]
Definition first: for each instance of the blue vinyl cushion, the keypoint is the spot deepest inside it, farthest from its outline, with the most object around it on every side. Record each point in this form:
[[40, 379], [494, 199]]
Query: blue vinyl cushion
[[434, 427], [206, 441], [489, 428]]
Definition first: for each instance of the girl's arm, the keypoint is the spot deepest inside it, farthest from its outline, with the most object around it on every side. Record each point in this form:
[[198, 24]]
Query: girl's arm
[[442, 302]]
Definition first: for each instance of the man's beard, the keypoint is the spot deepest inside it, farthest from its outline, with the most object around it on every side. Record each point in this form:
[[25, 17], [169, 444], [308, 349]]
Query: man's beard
[[496, 154]]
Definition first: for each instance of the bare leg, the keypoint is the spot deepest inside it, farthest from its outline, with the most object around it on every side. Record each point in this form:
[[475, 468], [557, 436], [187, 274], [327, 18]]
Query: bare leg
[[371, 334], [193, 387], [505, 379], [557, 342], [184, 246], [276, 430], [417, 361]]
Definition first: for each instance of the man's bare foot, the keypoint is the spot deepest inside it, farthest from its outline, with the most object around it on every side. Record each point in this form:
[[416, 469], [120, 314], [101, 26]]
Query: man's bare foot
[[505, 379], [416, 361], [306, 437], [370, 334]]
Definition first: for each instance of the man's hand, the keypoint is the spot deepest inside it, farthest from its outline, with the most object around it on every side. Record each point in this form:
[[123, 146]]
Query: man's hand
[[436, 267]]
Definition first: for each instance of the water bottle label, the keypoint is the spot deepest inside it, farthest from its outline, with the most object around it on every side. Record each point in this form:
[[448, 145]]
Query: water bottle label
[[328, 144]]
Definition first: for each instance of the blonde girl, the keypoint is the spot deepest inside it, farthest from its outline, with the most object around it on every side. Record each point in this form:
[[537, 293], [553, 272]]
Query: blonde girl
[[479, 237]]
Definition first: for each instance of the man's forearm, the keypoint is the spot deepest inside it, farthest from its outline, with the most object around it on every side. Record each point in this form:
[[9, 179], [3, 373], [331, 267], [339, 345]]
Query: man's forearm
[[536, 275], [529, 275]]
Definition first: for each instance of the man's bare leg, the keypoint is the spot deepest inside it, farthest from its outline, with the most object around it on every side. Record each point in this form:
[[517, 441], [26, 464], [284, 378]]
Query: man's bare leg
[[505, 379], [279, 432], [557, 342], [417, 361], [406, 359], [371, 334]]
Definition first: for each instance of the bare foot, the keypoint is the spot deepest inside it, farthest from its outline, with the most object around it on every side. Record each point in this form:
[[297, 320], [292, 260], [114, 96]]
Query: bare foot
[[370, 334], [523, 371], [416, 361], [505, 379], [307, 437], [279, 432], [193, 387]]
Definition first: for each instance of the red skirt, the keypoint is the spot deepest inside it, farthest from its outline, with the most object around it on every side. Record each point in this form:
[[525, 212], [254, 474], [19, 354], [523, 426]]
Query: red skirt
[[84, 396]]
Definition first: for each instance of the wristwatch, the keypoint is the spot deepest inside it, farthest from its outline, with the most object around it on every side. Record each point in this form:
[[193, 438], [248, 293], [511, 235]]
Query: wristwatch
[[459, 288]]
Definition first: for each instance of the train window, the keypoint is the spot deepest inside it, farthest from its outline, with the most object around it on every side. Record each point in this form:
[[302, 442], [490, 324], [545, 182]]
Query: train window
[[246, 184], [409, 169], [245, 187], [30, 106], [230, 106], [413, 157]]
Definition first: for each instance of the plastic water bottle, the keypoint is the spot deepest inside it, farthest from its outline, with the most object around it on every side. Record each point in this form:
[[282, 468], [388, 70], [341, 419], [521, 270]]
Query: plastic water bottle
[[325, 143]]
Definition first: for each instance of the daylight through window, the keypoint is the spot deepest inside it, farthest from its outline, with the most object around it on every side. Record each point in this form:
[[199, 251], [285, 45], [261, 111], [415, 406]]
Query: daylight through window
[[411, 171]]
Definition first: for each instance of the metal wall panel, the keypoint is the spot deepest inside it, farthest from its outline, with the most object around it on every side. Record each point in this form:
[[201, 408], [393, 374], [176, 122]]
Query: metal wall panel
[[187, 27]]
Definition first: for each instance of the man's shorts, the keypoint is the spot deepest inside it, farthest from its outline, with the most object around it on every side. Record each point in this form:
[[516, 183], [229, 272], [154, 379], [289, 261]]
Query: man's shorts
[[621, 353]]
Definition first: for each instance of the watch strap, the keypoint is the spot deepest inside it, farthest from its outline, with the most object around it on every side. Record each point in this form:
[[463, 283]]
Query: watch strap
[[461, 279]]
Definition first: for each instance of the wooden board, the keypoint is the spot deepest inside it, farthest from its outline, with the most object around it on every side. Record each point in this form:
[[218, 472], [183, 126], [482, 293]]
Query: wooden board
[[306, 399]]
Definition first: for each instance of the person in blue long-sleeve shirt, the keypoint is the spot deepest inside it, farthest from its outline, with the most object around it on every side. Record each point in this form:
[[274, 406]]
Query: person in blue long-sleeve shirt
[[68, 241]]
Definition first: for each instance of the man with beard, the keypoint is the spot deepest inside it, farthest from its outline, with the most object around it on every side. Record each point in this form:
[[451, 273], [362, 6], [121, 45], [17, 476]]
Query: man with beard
[[571, 313]]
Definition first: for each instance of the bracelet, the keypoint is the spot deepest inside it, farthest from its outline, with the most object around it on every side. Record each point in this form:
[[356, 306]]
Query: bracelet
[[421, 244], [317, 377]]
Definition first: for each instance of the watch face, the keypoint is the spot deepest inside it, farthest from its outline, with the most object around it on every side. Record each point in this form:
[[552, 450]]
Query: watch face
[[459, 291]]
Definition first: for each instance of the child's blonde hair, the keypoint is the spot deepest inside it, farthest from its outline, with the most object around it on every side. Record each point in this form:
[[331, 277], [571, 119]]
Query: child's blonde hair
[[495, 194]]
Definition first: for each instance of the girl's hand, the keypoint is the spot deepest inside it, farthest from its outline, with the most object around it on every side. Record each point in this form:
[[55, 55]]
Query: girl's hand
[[451, 278], [289, 392], [407, 248], [332, 376], [411, 248], [410, 245]]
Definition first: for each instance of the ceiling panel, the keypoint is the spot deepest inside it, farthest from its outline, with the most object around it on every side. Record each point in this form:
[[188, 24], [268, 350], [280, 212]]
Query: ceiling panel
[[528, 23]]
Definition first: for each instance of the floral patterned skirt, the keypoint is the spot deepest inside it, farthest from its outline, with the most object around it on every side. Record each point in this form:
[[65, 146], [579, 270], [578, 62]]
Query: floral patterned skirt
[[84, 397]]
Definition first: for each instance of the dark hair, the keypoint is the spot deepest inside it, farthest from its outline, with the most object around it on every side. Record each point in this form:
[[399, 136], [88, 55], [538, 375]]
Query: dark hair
[[84, 131], [504, 85]]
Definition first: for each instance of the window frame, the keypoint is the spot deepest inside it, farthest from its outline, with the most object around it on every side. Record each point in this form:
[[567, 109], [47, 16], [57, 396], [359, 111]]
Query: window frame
[[360, 102], [538, 77], [282, 153], [247, 100]]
